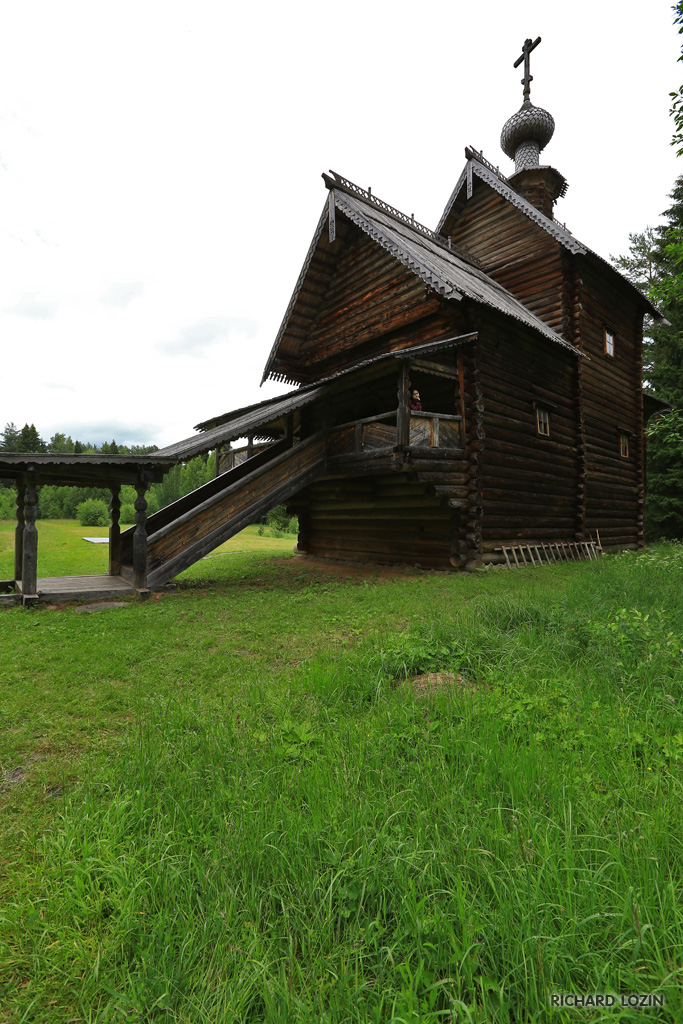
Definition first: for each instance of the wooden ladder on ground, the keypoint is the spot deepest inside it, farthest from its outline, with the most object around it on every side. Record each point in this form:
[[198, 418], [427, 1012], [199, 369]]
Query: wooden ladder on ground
[[518, 555]]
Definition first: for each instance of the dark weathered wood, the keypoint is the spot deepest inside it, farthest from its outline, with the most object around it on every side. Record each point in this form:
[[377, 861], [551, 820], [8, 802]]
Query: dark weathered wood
[[29, 561], [171, 513], [403, 411], [140, 538], [214, 520], [115, 531], [19, 530]]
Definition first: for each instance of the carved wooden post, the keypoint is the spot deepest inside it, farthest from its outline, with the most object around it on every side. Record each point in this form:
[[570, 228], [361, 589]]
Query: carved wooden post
[[250, 445], [19, 531], [403, 412], [114, 530], [29, 560], [140, 538], [461, 395]]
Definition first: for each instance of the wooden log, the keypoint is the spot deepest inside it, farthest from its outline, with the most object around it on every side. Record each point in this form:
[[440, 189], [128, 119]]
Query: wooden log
[[140, 538], [403, 425], [29, 561], [19, 529], [115, 531]]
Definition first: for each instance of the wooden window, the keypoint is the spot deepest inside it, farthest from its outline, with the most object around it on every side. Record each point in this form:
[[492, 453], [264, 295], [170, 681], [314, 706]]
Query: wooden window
[[609, 342], [623, 444], [542, 421]]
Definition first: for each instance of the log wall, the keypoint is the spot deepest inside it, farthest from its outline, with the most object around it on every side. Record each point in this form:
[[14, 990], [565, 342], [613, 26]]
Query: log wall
[[528, 482], [612, 403], [514, 251], [390, 518], [373, 304]]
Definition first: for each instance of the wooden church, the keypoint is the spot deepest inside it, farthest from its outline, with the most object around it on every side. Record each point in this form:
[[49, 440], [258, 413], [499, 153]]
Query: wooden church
[[526, 351]]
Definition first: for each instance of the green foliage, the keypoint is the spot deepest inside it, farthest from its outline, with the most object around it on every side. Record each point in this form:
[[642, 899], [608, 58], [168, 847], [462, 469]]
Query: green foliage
[[235, 808], [30, 440], [655, 264], [8, 506], [665, 475], [92, 512], [278, 518], [127, 514], [676, 110], [180, 480], [9, 439], [56, 502]]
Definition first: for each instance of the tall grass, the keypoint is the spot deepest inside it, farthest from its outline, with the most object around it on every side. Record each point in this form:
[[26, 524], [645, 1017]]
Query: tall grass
[[307, 841]]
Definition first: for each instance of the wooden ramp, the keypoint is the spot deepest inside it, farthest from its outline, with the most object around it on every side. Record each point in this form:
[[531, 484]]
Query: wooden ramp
[[191, 527]]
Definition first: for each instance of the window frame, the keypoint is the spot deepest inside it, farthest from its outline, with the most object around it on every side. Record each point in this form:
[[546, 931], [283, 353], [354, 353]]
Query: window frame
[[609, 337], [542, 418], [624, 442]]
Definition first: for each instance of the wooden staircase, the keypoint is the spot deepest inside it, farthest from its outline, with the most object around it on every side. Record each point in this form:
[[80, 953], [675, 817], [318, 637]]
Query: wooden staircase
[[191, 527]]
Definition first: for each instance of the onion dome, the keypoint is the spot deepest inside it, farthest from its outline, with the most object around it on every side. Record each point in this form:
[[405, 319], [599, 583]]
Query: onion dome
[[526, 134]]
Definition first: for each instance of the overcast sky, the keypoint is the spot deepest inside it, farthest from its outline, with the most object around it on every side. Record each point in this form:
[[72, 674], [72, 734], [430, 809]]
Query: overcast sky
[[160, 171]]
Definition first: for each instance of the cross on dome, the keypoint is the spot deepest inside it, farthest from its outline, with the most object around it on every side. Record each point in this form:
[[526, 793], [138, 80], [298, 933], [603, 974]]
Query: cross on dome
[[530, 130], [526, 54]]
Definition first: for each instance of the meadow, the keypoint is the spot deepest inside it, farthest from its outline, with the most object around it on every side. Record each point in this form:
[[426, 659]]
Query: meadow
[[233, 804]]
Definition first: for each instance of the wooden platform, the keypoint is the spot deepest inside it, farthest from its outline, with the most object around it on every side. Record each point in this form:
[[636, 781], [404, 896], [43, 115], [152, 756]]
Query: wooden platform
[[75, 588]]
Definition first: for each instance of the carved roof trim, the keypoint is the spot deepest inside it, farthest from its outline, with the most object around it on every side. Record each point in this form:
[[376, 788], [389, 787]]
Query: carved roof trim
[[489, 174]]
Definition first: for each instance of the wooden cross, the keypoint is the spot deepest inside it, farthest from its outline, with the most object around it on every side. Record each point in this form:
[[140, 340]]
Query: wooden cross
[[526, 53]]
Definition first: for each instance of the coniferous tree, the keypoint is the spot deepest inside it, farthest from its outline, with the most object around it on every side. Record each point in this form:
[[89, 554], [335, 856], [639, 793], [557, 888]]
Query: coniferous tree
[[9, 439], [655, 264], [30, 440]]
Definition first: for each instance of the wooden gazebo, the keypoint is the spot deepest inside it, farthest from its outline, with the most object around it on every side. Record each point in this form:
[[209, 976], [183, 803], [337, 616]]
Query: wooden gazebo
[[27, 471]]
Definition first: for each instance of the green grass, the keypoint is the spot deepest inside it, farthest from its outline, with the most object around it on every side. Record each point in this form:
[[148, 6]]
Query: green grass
[[63, 552], [226, 805]]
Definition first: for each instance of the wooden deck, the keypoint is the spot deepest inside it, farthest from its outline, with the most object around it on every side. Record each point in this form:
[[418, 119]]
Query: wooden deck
[[75, 588]]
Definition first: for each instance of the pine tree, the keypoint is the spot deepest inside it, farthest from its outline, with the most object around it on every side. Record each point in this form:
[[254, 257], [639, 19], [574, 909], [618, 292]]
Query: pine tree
[[30, 440], [655, 264], [9, 439]]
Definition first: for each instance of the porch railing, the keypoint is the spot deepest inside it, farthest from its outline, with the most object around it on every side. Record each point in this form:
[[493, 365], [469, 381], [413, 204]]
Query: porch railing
[[427, 430]]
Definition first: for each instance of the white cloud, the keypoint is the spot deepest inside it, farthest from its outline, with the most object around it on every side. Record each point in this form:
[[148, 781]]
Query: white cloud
[[195, 339], [34, 306], [121, 294]]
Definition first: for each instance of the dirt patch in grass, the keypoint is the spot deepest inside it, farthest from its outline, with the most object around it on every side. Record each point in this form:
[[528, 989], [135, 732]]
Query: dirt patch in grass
[[315, 566], [430, 683]]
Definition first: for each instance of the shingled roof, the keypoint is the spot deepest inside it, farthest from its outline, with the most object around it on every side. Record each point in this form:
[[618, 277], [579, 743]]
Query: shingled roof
[[478, 167], [445, 269]]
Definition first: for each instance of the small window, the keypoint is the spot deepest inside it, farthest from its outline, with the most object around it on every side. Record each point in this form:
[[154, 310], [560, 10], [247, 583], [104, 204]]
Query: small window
[[609, 343], [623, 444], [543, 421]]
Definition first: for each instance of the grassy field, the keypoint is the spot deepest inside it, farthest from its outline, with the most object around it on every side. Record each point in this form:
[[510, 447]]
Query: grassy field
[[63, 552], [231, 805]]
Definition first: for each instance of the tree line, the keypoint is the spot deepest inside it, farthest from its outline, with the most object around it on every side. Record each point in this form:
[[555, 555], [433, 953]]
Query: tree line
[[56, 502], [29, 440]]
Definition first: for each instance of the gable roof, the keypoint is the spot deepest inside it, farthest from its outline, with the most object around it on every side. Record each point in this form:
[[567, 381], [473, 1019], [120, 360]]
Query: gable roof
[[477, 166], [444, 268]]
